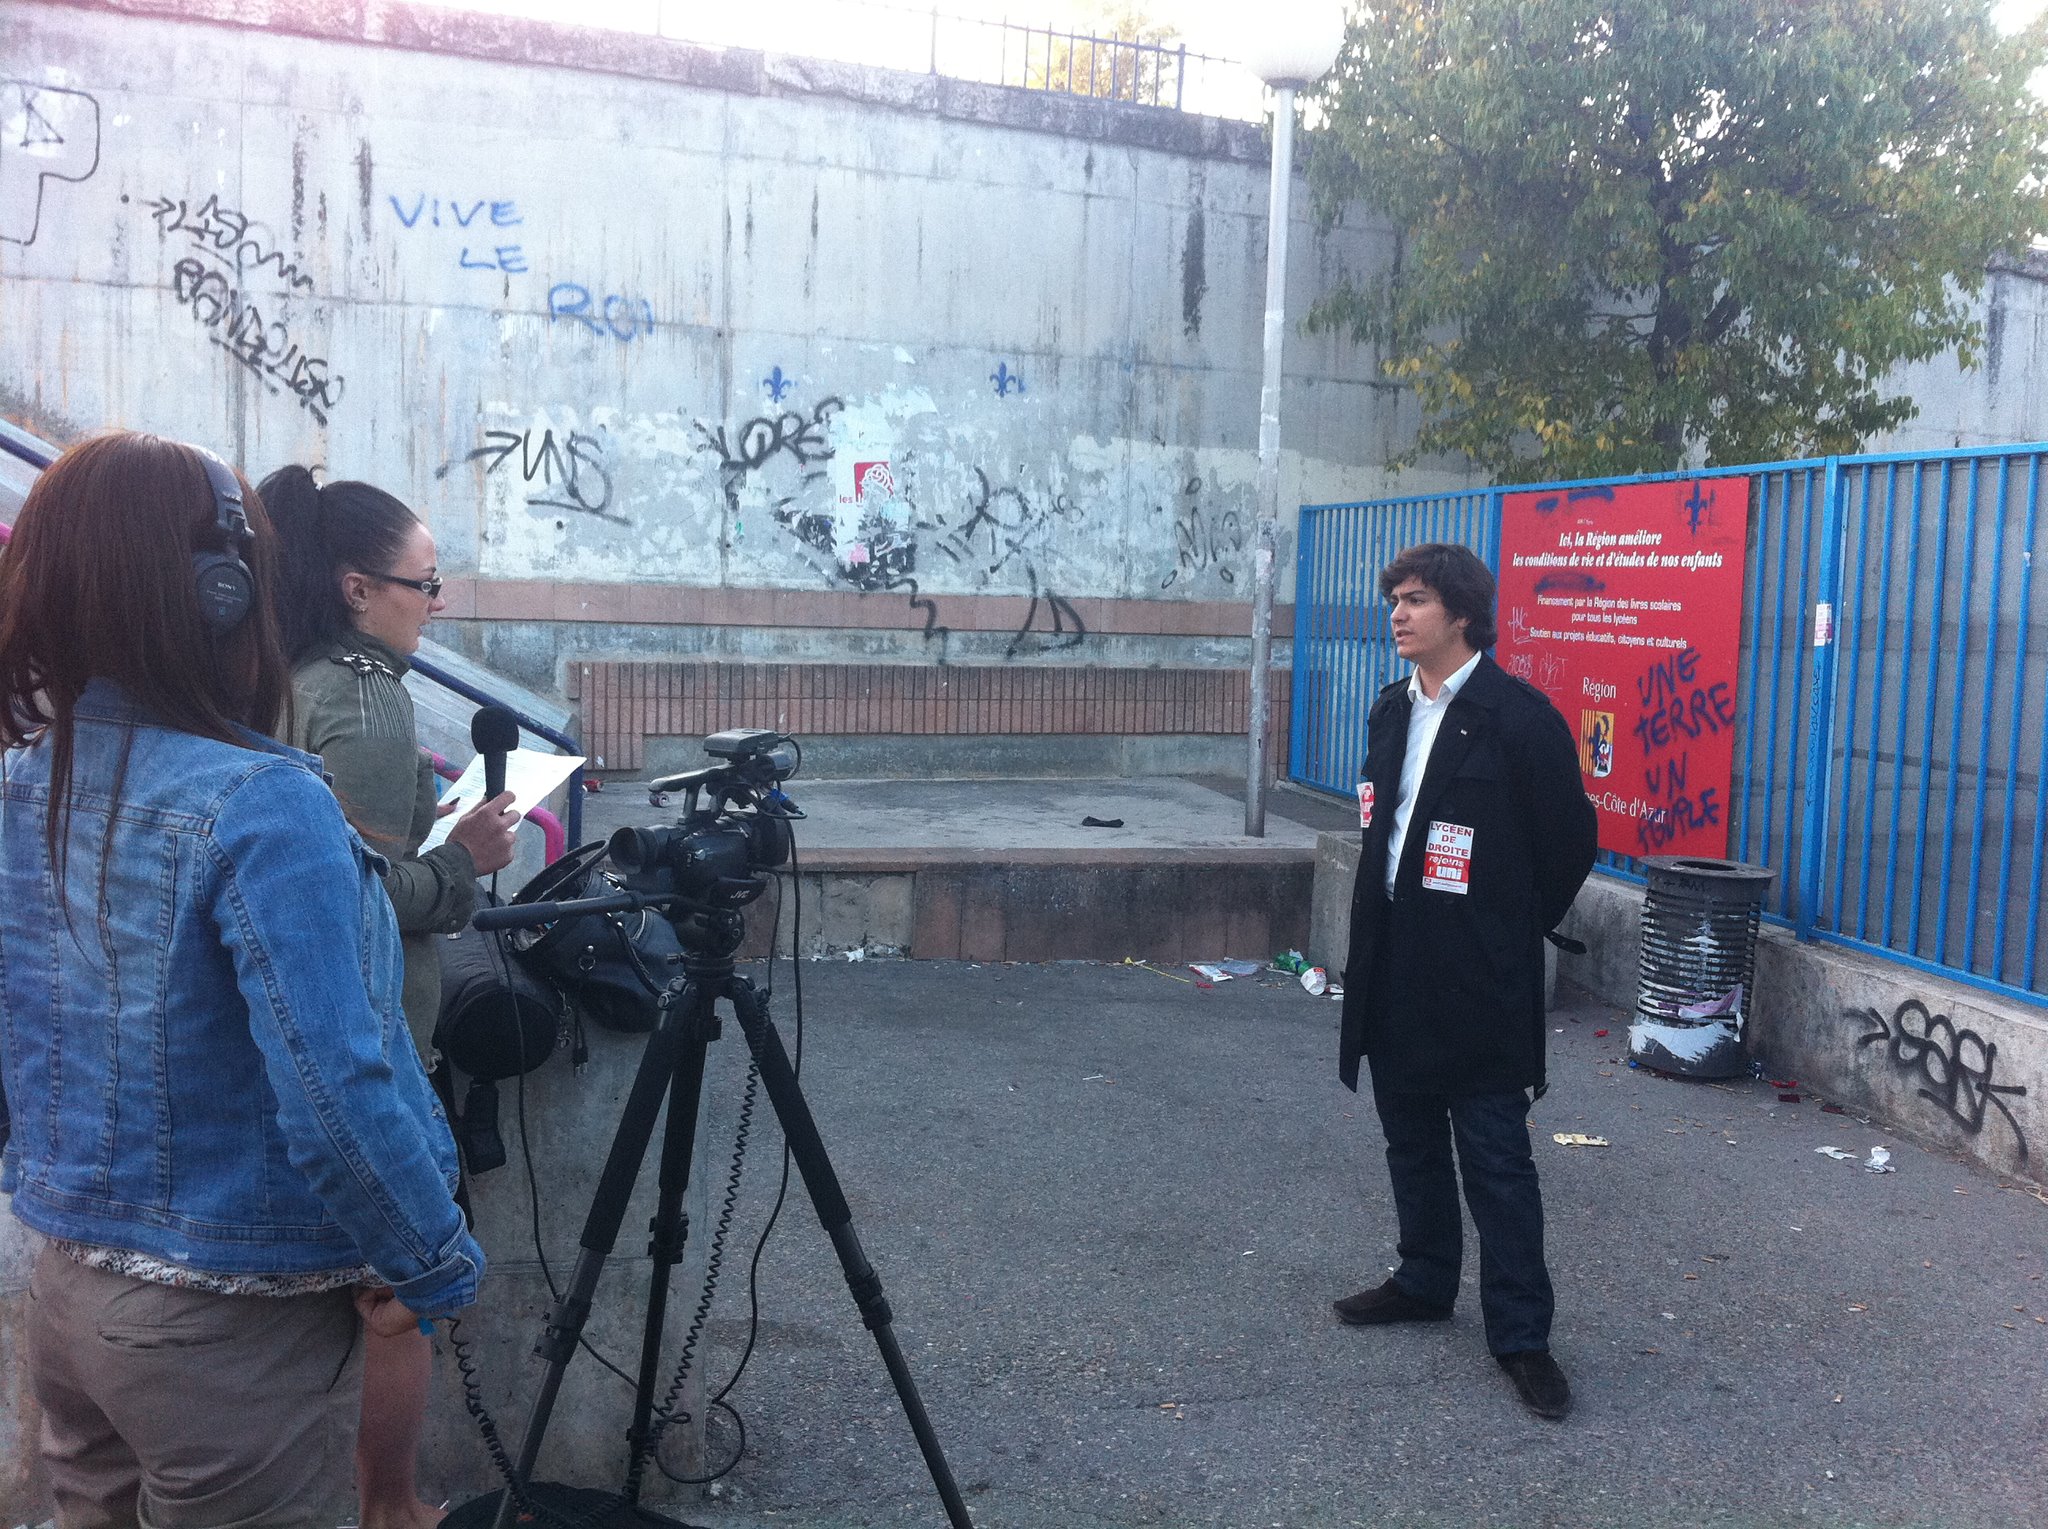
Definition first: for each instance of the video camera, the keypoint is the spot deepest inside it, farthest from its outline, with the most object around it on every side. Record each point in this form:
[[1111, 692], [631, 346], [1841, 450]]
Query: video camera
[[715, 856], [697, 872]]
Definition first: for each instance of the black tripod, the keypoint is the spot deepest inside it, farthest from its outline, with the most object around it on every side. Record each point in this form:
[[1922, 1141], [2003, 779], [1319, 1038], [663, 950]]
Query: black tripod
[[673, 1065]]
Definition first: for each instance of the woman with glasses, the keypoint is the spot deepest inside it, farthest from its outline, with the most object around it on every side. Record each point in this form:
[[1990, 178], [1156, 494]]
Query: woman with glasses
[[219, 1122], [359, 586]]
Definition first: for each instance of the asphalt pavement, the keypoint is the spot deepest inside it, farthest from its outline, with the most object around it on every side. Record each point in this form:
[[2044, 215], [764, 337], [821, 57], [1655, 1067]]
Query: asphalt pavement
[[1110, 1209]]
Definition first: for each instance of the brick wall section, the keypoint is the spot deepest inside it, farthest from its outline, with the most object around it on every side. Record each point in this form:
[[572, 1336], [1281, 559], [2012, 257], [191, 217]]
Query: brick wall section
[[624, 703]]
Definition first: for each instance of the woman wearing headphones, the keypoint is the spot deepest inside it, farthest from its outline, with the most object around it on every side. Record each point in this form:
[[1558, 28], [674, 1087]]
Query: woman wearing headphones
[[359, 583], [220, 1123]]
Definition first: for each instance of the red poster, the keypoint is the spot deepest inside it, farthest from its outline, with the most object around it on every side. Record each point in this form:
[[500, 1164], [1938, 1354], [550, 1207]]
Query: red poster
[[1623, 604]]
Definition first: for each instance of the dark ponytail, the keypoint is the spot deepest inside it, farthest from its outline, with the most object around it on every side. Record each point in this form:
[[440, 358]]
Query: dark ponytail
[[322, 534]]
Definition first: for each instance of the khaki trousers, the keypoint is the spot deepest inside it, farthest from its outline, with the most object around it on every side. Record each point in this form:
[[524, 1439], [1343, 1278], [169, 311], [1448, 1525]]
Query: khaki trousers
[[174, 1409]]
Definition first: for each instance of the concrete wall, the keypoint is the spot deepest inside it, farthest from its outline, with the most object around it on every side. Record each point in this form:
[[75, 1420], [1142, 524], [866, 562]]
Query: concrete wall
[[2003, 399], [618, 313]]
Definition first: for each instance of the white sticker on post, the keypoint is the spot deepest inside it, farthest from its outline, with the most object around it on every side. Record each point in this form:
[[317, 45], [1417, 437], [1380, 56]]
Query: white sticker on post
[[1823, 623], [1447, 859]]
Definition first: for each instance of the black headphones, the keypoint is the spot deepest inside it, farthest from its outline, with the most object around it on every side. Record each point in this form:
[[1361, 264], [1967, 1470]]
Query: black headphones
[[226, 587]]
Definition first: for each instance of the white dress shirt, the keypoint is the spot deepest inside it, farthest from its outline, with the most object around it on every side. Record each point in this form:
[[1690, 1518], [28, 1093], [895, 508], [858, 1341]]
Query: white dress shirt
[[1425, 716]]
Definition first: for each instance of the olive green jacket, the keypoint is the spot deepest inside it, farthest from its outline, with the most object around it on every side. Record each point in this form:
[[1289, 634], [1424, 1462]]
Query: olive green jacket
[[349, 707]]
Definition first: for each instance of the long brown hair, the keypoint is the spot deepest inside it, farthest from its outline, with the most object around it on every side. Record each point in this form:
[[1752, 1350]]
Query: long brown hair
[[97, 583]]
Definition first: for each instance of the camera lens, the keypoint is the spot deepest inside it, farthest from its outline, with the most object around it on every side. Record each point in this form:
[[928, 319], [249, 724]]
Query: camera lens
[[638, 849]]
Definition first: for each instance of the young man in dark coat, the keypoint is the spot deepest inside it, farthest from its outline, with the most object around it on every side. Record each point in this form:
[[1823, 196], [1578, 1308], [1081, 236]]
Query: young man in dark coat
[[1478, 834]]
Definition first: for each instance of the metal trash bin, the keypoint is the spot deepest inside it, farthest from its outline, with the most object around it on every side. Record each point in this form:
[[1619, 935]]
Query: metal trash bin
[[1697, 973]]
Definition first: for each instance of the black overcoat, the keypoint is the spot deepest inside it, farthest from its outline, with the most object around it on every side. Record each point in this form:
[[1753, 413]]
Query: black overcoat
[[1460, 1006]]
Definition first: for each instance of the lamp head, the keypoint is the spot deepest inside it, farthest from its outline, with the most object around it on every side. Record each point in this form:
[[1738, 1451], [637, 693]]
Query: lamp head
[[1294, 42]]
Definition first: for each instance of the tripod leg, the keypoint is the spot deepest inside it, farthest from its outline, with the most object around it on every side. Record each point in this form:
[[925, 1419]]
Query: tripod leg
[[658, 1063], [670, 1226], [800, 1130]]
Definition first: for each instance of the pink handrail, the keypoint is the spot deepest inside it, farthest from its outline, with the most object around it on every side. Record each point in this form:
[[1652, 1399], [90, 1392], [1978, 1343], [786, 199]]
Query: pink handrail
[[554, 840]]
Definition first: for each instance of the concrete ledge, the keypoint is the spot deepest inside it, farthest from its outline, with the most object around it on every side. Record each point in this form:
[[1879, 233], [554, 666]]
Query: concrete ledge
[[945, 904], [1950, 1065]]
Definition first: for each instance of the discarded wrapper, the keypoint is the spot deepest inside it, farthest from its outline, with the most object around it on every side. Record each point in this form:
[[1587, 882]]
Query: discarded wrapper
[[1240, 968], [1580, 1139], [1336, 990], [1316, 980], [1209, 971], [1837, 1154], [1729, 1003], [1880, 1161]]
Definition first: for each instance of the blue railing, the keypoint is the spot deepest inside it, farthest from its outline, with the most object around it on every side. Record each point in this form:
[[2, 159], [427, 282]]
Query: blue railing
[[1342, 651], [1892, 740]]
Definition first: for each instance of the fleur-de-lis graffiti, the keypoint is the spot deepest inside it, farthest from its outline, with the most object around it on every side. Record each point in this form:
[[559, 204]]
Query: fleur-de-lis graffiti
[[777, 384], [1005, 379], [1696, 506]]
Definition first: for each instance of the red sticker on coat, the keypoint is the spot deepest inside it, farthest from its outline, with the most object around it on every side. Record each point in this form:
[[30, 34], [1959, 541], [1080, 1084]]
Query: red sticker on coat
[[1365, 804]]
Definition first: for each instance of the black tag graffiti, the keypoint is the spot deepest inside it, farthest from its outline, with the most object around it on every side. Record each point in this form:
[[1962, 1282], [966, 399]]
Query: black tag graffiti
[[575, 463], [1955, 1065]]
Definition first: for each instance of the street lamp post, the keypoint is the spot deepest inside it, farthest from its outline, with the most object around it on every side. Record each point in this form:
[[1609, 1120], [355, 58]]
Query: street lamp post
[[1296, 43]]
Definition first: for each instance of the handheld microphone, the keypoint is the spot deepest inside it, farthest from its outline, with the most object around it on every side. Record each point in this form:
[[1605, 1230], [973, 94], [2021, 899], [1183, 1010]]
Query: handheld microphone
[[494, 733]]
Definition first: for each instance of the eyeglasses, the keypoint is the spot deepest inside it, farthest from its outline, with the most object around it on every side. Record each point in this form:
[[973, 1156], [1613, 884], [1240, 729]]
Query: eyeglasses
[[431, 588]]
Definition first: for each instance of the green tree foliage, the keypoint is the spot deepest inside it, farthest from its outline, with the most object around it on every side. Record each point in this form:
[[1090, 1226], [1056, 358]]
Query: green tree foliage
[[1635, 231]]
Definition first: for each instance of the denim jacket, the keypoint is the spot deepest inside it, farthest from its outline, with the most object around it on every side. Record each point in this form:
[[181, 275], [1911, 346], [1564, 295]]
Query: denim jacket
[[202, 1041]]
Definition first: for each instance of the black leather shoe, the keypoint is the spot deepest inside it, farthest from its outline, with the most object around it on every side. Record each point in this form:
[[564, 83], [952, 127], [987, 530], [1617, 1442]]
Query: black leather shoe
[[1538, 1382], [1387, 1303]]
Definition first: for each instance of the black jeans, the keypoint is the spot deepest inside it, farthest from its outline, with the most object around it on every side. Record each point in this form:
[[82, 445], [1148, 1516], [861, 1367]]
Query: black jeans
[[1499, 1171]]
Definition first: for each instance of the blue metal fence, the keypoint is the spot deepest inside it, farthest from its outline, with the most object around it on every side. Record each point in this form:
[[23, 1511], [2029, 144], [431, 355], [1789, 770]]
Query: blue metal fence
[[1892, 741], [1343, 653]]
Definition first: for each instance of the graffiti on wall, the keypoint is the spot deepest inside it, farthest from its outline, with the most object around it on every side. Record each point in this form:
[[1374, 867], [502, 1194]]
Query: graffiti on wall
[[1003, 524], [566, 473], [1059, 626], [1954, 1067], [1204, 540], [473, 218], [226, 238], [46, 134], [610, 313], [224, 253], [850, 498], [864, 531], [266, 347], [771, 461]]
